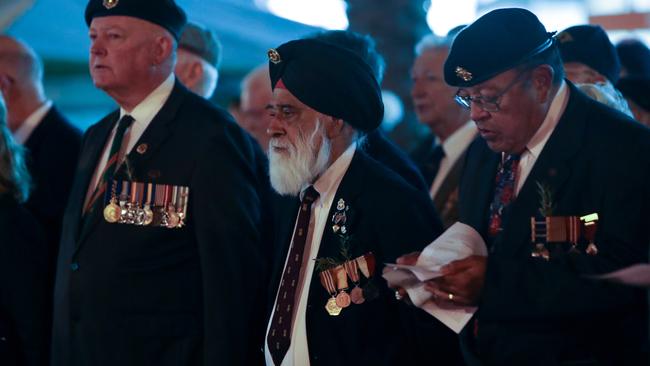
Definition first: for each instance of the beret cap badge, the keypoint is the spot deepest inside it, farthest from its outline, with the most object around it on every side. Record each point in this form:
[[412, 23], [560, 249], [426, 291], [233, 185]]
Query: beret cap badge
[[274, 56], [110, 4], [463, 74]]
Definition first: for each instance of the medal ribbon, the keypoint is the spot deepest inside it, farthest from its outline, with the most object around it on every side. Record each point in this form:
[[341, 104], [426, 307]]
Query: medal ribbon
[[327, 281], [352, 269]]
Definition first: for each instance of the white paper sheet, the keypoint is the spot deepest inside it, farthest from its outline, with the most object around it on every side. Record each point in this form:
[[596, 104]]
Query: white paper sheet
[[634, 275], [457, 242]]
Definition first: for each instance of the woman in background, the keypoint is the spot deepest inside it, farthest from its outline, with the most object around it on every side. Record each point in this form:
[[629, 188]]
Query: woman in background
[[24, 299]]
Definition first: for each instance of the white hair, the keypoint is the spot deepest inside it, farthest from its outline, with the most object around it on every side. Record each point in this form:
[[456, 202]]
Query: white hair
[[208, 83], [290, 174], [432, 42]]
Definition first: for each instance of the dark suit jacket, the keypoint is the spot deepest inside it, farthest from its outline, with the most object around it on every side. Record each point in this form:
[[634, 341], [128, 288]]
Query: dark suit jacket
[[389, 218], [538, 312], [446, 199], [25, 300], [53, 151], [380, 148], [139, 295]]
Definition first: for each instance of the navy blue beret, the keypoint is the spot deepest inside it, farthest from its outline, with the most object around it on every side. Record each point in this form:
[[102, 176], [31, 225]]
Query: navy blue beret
[[636, 88], [329, 79], [164, 13], [494, 43], [589, 44]]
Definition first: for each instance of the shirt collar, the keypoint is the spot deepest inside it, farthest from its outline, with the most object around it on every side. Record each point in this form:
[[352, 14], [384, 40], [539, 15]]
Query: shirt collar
[[145, 112], [458, 141], [555, 111], [29, 125]]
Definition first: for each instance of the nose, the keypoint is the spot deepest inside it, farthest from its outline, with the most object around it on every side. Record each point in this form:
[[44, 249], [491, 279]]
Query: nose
[[477, 113], [275, 128], [417, 91], [97, 47]]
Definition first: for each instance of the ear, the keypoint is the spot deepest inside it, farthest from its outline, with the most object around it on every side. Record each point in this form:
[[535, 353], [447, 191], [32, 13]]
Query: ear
[[163, 48], [542, 78], [5, 83], [333, 126]]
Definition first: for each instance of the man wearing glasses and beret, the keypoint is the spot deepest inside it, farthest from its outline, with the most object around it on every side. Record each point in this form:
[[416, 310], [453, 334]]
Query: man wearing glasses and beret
[[552, 190]]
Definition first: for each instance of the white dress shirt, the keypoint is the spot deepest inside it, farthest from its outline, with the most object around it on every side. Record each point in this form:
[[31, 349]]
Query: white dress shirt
[[326, 185], [454, 146], [142, 114], [21, 135], [538, 141]]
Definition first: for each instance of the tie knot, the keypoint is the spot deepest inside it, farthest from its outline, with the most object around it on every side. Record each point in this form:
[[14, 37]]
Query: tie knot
[[125, 122], [310, 195]]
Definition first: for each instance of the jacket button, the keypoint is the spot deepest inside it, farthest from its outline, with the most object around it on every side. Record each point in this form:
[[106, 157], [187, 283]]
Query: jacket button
[[74, 267]]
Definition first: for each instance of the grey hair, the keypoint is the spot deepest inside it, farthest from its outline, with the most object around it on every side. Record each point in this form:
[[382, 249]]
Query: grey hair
[[14, 177], [432, 42]]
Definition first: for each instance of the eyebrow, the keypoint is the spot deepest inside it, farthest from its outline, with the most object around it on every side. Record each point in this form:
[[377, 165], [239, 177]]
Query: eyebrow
[[271, 106]]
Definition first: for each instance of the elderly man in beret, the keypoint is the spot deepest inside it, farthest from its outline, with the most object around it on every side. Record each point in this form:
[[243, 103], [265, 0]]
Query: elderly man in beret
[[346, 215], [160, 253], [556, 200], [199, 55]]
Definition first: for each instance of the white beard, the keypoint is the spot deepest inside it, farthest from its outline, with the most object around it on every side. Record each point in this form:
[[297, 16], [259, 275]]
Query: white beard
[[303, 164]]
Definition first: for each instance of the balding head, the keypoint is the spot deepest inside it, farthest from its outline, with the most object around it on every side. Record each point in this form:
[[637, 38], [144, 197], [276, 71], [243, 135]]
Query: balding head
[[19, 60], [21, 72], [255, 96]]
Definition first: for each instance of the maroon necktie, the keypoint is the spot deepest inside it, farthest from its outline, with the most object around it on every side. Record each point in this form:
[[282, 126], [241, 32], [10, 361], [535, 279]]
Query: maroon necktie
[[279, 337]]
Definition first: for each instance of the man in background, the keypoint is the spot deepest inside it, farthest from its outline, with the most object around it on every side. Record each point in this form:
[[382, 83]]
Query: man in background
[[441, 157], [199, 56], [52, 142]]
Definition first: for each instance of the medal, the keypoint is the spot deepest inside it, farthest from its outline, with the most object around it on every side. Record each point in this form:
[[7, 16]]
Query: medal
[[332, 308], [148, 213], [590, 227], [356, 295], [112, 210], [172, 216], [342, 299], [327, 281], [352, 269]]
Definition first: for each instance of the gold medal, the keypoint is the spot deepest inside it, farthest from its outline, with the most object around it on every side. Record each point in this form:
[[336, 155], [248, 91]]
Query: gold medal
[[172, 219], [112, 212], [332, 308], [343, 299]]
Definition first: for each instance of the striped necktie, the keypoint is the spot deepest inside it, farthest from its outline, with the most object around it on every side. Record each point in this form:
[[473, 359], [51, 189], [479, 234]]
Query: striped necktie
[[279, 337], [95, 203]]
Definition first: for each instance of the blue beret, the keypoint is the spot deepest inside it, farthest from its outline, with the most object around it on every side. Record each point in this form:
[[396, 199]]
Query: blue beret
[[494, 43], [636, 88], [590, 45], [329, 79], [164, 13]]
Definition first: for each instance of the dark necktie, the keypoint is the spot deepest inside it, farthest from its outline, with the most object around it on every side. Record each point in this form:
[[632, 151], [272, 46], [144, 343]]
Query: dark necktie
[[436, 157], [504, 192], [95, 203], [279, 337]]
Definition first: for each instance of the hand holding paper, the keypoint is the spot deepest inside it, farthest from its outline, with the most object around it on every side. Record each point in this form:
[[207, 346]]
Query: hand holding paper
[[458, 242]]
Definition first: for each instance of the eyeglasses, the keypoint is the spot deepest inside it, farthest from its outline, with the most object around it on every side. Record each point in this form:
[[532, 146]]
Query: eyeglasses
[[488, 104]]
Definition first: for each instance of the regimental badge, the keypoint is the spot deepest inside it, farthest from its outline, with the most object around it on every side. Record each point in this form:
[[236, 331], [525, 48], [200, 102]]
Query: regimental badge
[[110, 4], [274, 56], [463, 73], [142, 148], [564, 37]]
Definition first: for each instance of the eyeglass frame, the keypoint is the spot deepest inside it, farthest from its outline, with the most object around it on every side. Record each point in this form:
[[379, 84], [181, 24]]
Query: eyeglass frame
[[466, 102]]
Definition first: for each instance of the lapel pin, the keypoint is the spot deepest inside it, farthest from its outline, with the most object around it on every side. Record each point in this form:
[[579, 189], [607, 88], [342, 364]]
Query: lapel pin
[[142, 148]]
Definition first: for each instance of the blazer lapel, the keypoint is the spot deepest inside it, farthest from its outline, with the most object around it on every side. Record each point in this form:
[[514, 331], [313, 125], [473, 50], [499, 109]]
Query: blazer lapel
[[478, 175], [349, 190], [552, 169], [96, 141], [153, 137]]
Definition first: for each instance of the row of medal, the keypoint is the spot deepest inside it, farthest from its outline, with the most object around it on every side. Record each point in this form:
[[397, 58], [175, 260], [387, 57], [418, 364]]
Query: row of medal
[[335, 281], [146, 204], [563, 229]]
